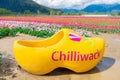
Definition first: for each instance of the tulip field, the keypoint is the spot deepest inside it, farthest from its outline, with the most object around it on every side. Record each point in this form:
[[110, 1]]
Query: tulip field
[[88, 22], [47, 25]]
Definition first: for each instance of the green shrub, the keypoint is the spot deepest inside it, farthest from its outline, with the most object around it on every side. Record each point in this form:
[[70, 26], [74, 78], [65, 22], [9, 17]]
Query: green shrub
[[12, 32], [4, 32]]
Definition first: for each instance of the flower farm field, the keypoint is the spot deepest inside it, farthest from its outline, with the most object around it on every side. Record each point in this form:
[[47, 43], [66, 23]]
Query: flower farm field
[[41, 27], [88, 22]]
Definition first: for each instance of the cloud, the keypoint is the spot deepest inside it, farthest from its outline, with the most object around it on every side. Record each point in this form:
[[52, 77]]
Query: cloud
[[73, 4]]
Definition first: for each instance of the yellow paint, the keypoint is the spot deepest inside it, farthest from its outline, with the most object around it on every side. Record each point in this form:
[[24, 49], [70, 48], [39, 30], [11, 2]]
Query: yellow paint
[[43, 56]]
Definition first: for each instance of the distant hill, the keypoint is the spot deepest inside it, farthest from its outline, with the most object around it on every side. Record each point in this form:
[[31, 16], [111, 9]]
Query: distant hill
[[97, 8], [20, 6], [102, 8]]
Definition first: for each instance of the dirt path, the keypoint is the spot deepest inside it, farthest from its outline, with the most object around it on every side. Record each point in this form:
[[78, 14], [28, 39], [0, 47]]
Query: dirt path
[[107, 69]]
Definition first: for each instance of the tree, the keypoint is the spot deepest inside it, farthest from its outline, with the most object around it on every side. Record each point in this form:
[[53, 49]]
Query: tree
[[66, 13], [72, 13], [27, 12], [38, 12], [52, 12], [59, 12], [119, 13], [5, 11], [79, 13]]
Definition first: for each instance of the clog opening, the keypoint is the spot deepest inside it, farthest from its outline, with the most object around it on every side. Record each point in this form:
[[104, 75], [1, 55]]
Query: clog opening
[[43, 43]]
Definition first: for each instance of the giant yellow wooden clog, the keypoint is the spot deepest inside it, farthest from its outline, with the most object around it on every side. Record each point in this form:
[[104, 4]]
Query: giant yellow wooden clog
[[64, 49]]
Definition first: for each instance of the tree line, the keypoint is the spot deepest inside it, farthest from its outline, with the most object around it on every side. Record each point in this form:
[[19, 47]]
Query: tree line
[[4, 11]]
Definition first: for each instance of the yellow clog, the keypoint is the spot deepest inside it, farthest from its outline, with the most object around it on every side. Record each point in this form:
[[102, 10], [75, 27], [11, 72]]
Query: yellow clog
[[64, 49]]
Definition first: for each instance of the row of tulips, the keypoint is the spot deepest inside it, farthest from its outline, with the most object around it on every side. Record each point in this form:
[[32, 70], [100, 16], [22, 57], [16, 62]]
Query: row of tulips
[[87, 22], [52, 24], [10, 28], [52, 27], [31, 25]]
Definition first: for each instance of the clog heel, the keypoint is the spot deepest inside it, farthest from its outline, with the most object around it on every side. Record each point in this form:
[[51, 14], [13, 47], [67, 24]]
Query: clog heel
[[64, 49]]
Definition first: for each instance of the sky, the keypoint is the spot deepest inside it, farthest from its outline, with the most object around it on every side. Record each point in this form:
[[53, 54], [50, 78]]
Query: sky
[[73, 4]]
